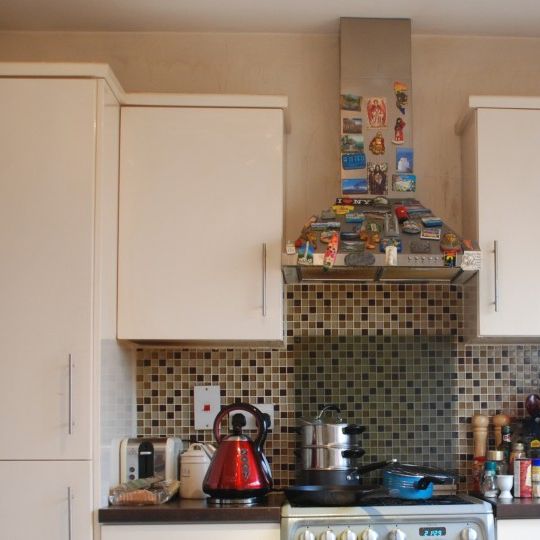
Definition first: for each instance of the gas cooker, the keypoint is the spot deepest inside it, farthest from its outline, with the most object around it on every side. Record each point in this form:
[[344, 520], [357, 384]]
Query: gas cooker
[[458, 517]]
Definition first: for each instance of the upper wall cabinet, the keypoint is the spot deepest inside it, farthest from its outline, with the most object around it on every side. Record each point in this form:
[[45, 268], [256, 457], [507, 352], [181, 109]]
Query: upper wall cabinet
[[201, 220], [501, 189]]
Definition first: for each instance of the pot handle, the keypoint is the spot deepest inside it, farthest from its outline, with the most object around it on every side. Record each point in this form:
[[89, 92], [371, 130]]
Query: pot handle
[[424, 482], [353, 454], [375, 466], [259, 421], [327, 408], [353, 429]]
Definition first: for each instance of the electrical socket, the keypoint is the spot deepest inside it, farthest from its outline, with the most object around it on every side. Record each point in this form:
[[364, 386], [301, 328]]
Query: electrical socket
[[267, 408]]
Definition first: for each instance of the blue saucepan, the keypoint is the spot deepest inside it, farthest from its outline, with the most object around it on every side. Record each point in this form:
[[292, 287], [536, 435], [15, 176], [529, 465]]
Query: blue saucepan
[[412, 482]]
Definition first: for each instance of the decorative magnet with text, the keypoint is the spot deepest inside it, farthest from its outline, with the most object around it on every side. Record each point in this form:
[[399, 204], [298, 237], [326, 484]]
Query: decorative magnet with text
[[405, 160], [350, 102], [351, 124], [398, 131], [377, 178], [402, 98], [376, 146], [353, 161], [354, 186], [404, 182], [376, 112], [352, 143], [331, 252]]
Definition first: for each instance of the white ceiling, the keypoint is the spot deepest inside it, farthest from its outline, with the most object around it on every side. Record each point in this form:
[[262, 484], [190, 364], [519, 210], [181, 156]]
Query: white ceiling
[[481, 17]]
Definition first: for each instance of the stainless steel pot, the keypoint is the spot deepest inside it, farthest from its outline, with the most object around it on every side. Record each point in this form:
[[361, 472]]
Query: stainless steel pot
[[328, 430], [329, 457]]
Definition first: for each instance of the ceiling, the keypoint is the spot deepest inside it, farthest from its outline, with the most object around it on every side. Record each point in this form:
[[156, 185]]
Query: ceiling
[[480, 17]]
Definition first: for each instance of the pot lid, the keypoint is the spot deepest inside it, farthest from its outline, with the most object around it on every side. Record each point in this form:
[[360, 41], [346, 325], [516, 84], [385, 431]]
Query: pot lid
[[405, 469]]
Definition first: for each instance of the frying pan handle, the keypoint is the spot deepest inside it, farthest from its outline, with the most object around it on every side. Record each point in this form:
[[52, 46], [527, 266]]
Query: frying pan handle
[[353, 454], [424, 482], [353, 429], [375, 466]]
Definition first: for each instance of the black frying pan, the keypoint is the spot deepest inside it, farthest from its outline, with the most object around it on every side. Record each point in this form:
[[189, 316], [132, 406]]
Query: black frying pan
[[330, 495]]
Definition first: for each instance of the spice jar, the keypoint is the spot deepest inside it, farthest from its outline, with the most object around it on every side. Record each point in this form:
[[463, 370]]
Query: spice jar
[[498, 457], [489, 486], [518, 452]]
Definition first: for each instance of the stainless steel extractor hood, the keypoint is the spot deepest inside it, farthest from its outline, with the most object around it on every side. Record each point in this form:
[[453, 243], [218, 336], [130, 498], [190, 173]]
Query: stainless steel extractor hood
[[425, 253]]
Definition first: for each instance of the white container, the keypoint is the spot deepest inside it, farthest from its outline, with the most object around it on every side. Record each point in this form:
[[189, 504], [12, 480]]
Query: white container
[[194, 463]]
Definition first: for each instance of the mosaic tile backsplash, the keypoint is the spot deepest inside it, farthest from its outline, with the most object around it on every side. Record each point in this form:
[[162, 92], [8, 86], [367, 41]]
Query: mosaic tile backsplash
[[392, 356]]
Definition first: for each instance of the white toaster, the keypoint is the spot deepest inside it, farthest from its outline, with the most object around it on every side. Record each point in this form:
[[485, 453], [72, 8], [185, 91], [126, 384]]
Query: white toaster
[[142, 458]]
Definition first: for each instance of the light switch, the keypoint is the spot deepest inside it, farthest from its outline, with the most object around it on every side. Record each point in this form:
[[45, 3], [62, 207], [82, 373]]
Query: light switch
[[206, 405]]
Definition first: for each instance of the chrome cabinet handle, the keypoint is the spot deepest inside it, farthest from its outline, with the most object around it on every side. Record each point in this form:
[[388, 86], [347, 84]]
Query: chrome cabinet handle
[[264, 279], [496, 274], [70, 395], [70, 520]]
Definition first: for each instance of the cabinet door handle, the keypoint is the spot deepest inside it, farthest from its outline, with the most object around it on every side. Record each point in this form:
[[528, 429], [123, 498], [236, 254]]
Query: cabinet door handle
[[496, 273], [69, 516], [70, 395], [264, 279]]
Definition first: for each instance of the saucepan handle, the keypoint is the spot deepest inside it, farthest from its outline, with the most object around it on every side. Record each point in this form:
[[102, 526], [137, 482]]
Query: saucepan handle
[[353, 454], [424, 482]]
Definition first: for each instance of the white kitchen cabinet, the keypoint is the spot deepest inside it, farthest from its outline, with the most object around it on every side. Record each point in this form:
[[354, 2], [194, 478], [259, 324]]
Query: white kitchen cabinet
[[223, 531], [514, 529], [47, 174], [501, 190], [201, 220], [49, 500]]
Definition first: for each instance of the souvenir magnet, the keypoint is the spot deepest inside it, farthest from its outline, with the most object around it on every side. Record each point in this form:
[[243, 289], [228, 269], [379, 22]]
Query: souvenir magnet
[[331, 252], [355, 217], [402, 98], [349, 235], [305, 254], [410, 227], [449, 258], [290, 249], [420, 246], [398, 131], [354, 202], [376, 112], [350, 102], [471, 260], [405, 160], [403, 182], [328, 214], [352, 143], [342, 209], [319, 226], [395, 242], [391, 225], [352, 124], [430, 234], [359, 259], [391, 255], [354, 161], [354, 186], [377, 178], [326, 236], [431, 221], [380, 201], [356, 246], [401, 213], [450, 242], [376, 146]]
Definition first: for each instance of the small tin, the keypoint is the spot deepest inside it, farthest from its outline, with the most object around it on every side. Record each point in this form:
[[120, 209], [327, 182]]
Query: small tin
[[535, 477], [522, 478]]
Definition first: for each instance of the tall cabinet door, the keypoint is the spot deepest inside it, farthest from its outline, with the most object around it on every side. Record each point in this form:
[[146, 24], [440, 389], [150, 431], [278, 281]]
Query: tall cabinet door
[[508, 195], [201, 218], [47, 143], [49, 500]]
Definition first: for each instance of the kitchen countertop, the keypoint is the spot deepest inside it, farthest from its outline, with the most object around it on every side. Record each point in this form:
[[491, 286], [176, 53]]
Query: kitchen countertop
[[514, 508], [192, 510]]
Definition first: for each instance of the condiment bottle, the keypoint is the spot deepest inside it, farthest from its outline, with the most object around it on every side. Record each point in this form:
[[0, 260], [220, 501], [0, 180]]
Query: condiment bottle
[[497, 457], [499, 421], [535, 477], [506, 444], [518, 452], [489, 486]]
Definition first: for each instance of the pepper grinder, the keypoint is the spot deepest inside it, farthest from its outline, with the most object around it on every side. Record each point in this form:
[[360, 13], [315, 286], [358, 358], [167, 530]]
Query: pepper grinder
[[499, 421], [480, 424]]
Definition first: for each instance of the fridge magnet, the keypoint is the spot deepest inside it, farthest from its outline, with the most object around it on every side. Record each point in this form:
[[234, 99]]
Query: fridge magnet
[[355, 217], [405, 160], [398, 131], [326, 236], [350, 102], [342, 209], [377, 178], [354, 186], [430, 234], [351, 124], [404, 182], [331, 252], [411, 227], [420, 246], [359, 259], [376, 146], [353, 161], [352, 143], [305, 254], [328, 214], [376, 112], [352, 246], [431, 221], [402, 98]]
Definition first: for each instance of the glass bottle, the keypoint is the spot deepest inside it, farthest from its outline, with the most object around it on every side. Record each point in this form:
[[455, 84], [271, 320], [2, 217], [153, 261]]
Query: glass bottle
[[489, 487], [506, 444]]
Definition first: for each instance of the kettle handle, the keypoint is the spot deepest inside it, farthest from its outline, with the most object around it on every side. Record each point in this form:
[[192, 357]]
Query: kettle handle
[[247, 407]]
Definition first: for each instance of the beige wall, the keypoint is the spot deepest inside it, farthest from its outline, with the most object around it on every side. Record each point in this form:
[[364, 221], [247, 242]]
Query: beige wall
[[306, 68]]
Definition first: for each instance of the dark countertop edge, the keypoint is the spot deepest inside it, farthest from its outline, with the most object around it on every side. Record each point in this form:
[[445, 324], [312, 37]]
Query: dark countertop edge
[[191, 511], [516, 508]]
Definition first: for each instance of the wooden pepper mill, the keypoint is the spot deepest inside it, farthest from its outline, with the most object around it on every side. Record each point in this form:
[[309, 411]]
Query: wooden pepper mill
[[499, 421], [480, 424]]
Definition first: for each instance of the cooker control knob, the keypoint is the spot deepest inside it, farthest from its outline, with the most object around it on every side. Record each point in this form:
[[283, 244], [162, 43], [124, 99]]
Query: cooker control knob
[[369, 534], [307, 535], [468, 534], [397, 534], [348, 535], [328, 535]]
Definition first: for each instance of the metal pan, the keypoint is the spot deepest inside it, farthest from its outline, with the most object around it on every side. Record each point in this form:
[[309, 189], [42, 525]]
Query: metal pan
[[330, 495]]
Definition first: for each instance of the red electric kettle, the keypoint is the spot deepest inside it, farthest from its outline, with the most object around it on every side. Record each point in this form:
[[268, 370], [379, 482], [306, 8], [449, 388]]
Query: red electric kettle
[[239, 471]]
